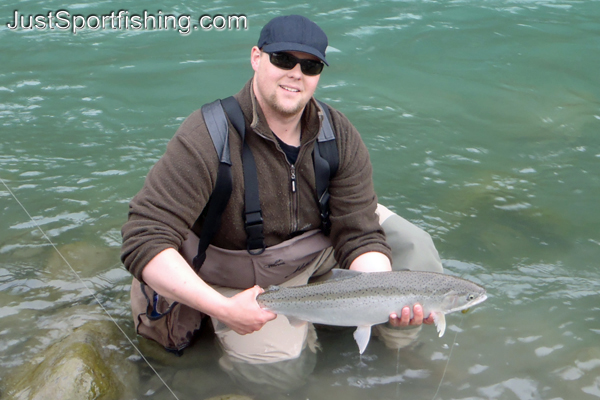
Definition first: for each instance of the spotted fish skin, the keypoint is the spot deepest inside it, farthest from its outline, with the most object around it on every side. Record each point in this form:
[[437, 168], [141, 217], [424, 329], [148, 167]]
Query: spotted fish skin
[[366, 299]]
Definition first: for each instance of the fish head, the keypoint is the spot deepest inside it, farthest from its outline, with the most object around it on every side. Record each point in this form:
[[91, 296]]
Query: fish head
[[463, 298]]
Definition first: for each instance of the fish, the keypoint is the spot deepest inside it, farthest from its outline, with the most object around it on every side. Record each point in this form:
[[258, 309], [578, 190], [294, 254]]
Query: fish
[[364, 299]]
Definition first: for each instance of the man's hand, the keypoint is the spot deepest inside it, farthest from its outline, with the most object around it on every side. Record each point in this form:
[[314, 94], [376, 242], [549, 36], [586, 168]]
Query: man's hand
[[243, 314], [171, 276], [404, 319]]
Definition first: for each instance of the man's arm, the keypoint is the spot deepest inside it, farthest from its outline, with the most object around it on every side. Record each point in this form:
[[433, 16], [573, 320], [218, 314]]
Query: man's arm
[[378, 262], [172, 277]]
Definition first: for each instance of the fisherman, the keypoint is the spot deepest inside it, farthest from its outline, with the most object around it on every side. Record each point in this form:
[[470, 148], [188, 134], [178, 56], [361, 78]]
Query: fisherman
[[282, 121]]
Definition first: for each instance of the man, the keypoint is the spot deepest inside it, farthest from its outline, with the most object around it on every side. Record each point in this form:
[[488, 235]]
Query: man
[[282, 124]]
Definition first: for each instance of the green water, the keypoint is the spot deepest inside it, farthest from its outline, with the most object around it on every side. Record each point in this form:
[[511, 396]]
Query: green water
[[482, 120]]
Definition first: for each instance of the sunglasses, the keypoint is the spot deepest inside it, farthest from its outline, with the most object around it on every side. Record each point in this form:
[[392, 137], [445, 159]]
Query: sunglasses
[[287, 61]]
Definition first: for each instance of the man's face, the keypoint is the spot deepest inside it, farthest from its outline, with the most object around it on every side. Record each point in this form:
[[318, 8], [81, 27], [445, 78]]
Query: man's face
[[284, 92]]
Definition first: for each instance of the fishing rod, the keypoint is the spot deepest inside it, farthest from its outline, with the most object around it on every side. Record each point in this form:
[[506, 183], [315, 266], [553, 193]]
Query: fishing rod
[[87, 288]]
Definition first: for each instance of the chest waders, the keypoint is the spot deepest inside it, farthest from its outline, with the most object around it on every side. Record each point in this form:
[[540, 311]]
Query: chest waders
[[325, 160]]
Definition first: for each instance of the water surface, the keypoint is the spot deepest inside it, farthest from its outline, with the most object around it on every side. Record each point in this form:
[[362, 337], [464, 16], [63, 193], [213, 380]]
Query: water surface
[[482, 121]]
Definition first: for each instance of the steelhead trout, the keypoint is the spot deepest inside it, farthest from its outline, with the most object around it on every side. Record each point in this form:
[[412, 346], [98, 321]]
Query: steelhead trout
[[358, 299]]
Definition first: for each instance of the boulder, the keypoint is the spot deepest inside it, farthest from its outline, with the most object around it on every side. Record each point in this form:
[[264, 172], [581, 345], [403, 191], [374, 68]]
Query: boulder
[[86, 258], [90, 363]]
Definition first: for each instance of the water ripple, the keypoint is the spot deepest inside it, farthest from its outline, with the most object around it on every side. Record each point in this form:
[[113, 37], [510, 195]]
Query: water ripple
[[78, 217]]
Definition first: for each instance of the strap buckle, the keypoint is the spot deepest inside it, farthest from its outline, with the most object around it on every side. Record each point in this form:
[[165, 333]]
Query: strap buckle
[[255, 244], [324, 211]]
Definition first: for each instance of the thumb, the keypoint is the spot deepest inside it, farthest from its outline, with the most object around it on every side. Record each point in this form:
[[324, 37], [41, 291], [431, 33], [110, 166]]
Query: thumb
[[257, 289]]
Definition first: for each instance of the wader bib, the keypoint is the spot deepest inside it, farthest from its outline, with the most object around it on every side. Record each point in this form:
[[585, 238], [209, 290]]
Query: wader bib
[[173, 324], [241, 270]]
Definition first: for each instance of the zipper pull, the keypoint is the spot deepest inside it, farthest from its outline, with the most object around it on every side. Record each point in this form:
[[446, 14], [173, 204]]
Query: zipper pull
[[293, 179]]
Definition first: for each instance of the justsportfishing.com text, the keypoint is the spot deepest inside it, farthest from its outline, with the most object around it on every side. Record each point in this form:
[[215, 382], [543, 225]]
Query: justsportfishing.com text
[[64, 20]]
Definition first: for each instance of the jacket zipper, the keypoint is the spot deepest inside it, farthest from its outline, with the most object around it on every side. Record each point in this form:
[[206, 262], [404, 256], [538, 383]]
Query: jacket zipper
[[295, 211], [294, 189]]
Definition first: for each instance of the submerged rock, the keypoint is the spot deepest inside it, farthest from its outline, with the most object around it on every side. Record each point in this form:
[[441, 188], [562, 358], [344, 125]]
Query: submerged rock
[[87, 364], [86, 258], [493, 217]]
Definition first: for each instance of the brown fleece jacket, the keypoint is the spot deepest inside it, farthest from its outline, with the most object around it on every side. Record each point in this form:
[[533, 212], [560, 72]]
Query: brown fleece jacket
[[178, 187]]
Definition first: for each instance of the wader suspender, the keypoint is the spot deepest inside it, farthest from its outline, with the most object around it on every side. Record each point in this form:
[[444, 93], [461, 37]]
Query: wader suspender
[[217, 125], [325, 157], [326, 161]]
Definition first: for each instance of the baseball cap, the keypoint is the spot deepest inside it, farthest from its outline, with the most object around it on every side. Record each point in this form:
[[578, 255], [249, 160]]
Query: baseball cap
[[293, 33]]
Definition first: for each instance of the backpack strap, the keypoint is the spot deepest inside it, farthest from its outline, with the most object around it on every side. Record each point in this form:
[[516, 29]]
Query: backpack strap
[[326, 161], [216, 122], [255, 242]]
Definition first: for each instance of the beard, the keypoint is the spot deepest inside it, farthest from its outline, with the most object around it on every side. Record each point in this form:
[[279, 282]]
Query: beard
[[288, 111]]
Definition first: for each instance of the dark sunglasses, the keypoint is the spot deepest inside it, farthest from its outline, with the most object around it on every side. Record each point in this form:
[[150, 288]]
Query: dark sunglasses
[[287, 61]]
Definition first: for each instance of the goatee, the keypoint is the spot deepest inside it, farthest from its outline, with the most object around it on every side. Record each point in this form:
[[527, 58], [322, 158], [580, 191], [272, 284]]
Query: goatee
[[288, 112]]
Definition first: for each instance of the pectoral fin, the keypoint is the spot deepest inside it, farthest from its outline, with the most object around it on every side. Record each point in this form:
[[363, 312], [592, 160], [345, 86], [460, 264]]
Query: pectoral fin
[[296, 322], [362, 334], [440, 322]]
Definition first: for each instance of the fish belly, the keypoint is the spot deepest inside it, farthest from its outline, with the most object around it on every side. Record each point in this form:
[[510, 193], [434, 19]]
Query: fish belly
[[343, 312]]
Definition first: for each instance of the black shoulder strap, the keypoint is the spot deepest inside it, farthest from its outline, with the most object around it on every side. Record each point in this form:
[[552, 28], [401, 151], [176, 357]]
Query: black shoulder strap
[[255, 242], [217, 125], [216, 122], [326, 161], [326, 141]]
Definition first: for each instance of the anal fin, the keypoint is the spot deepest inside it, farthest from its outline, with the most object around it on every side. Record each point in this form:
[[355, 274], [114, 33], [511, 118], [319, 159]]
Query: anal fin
[[362, 334], [440, 322]]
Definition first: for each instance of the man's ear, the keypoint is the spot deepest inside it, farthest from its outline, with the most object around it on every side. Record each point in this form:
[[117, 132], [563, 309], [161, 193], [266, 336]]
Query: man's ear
[[255, 57]]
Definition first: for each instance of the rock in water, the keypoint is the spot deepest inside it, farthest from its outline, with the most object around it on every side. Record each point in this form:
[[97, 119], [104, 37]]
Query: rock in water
[[85, 365]]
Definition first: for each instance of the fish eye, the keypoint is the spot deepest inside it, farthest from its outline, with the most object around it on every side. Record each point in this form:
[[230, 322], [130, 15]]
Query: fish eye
[[471, 297]]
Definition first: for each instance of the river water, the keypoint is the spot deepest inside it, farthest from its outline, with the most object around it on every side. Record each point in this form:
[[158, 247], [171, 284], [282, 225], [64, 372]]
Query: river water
[[482, 119]]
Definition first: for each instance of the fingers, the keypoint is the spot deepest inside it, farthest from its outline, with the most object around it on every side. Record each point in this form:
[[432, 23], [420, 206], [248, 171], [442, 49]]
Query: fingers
[[268, 314], [245, 315], [255, 291], [262, 316], [418, 315], [405, 316], [394, 320], [429, 320], [405, 320], [402, 320]]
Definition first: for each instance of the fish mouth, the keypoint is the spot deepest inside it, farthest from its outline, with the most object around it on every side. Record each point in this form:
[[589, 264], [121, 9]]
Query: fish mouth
[[464, 309], [481, 299]]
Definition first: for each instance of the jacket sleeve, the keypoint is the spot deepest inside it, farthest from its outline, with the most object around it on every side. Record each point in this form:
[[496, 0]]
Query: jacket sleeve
[[355, 228], [174, 193]]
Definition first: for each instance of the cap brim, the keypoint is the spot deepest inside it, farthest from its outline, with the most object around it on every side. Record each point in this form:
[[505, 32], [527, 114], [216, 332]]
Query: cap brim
[[288, 46]]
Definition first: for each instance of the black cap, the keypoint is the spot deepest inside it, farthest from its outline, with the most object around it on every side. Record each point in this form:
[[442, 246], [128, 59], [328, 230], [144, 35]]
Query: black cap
[[293, 33]]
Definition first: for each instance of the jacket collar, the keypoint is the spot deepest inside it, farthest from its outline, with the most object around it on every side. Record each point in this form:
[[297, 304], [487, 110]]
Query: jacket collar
[[310, 120]]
